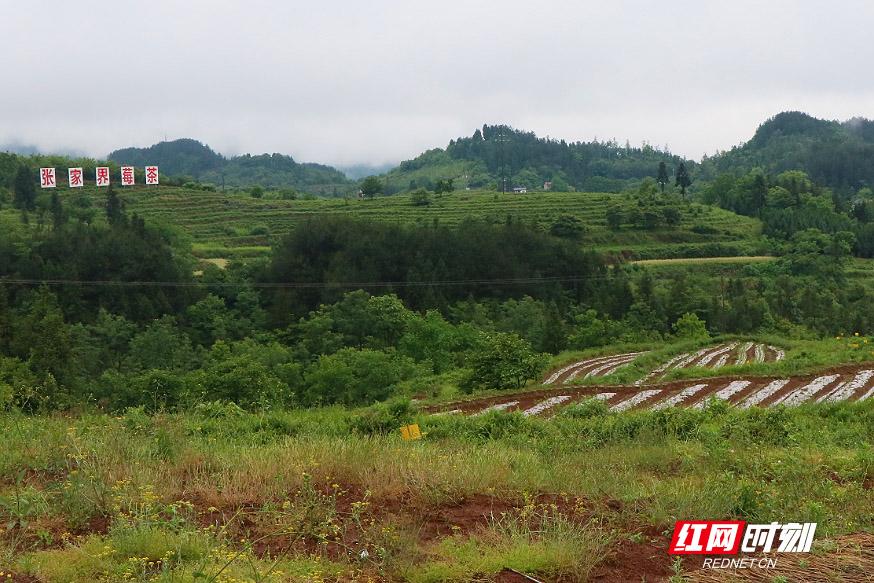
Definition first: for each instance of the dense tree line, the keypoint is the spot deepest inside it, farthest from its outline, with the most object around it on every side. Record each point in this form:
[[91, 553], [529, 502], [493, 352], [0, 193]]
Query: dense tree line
[[838, 155], [791, 202], [428, 267], [496, 153], [119, 249]]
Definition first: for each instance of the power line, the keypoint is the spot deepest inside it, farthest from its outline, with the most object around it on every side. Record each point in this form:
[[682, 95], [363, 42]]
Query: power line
[[320, 284], [305, 285]]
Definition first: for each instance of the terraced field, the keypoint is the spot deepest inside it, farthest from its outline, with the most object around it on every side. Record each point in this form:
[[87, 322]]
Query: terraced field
[[219, 222], [591, 367], [842, 384], [731, 353]]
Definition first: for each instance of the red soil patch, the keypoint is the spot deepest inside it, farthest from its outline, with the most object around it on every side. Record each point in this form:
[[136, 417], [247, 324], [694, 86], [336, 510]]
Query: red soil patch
[[96, 525], [55, 527], [467, 516], [647, 560], [38, 479]]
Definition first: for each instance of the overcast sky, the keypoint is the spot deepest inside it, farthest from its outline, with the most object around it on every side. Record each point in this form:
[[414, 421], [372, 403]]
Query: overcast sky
[[372, 81]]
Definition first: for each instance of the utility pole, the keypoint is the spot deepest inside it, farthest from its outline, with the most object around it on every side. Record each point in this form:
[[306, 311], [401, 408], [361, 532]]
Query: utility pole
[[501, 140]]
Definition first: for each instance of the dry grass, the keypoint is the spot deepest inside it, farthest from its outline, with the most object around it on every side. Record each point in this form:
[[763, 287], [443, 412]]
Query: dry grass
[[553, 498]]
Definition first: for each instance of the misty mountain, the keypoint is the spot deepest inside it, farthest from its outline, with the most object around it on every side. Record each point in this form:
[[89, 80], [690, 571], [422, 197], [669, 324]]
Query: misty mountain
[[32, 150], [359, 171], [835, 154], [190, 158]]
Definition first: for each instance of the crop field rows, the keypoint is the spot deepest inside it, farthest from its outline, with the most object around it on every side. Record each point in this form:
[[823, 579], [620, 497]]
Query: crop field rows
[[237, 219], [591, 367], [732, 353], [852, 385]]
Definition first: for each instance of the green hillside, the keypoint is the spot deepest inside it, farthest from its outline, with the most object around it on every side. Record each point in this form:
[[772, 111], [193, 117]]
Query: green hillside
[[493, 153], [836, 154], [230, 225], [190, 158], [839, 155]]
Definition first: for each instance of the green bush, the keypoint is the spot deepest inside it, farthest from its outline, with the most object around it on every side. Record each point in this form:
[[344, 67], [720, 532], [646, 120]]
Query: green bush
[[354, 376], [383, 418], [585, 409], [503, 361]]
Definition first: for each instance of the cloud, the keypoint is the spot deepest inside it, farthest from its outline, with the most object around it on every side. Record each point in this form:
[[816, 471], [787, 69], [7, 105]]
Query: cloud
[[345, 82]]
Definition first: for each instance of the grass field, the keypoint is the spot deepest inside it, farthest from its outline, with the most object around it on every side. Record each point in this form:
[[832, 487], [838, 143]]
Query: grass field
[[237, 225], [334, 495]]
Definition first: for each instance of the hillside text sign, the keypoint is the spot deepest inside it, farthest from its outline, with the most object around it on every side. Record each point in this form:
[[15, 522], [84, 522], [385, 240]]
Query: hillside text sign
[[47, 177], [127, 176], [101, 176], [76, 176]]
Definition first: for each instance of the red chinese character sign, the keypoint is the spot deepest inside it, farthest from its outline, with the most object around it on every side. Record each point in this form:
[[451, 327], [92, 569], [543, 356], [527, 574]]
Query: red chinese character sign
[[47, 178], [127, 176], [74, 177], [101, 176], [704, 537], [151, 175]]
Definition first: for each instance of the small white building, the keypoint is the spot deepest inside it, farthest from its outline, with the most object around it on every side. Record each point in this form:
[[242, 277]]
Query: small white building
[[520, 190]]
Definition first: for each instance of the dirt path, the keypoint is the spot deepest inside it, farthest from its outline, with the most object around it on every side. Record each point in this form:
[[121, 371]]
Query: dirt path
[[682, 261]]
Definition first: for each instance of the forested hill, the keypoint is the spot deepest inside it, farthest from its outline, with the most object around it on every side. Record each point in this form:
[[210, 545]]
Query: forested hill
[[493, 152], [187, 157], [836, 154]]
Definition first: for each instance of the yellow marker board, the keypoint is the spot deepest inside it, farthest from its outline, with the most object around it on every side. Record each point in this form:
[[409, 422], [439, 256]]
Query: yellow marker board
[[410, 432]]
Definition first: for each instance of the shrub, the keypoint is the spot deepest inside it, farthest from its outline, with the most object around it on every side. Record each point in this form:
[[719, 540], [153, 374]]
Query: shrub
[[568, 227], [242, 380], [420, 198], [586, 409], [356, 376], [504, 361], [690, 326], [383, 418], [154, 388]]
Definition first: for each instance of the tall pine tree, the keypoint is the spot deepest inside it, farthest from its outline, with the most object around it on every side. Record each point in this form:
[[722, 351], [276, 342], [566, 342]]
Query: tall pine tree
[[663, 176], [57, 209], [25, 190], [114, 207], [683, 180]]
